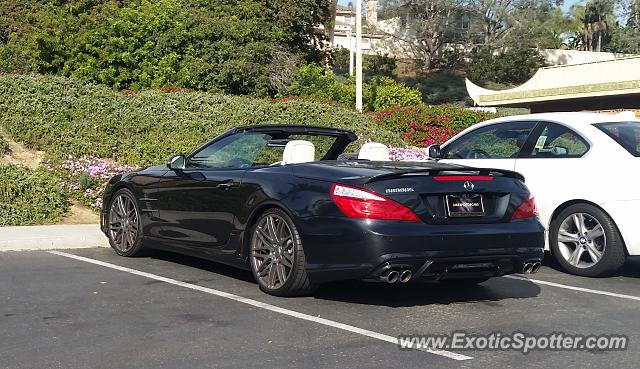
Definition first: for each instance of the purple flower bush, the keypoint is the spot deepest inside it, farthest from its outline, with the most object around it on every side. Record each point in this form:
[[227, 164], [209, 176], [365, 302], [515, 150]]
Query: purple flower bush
[[86, 177], [402, 154]]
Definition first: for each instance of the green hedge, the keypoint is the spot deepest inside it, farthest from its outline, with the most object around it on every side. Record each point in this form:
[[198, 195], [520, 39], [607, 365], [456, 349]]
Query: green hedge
[[29, 197], [65, 116], [4, 146]]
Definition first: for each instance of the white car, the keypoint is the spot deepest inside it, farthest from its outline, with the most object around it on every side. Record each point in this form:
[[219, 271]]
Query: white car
[[582, 168]]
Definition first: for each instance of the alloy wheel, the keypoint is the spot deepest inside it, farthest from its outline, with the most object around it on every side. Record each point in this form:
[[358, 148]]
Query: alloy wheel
[[272, 251], [581, 240], [123, 223]]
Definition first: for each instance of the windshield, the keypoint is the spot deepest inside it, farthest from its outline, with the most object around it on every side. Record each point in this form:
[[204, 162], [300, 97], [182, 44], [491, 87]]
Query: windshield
[[626, 134]]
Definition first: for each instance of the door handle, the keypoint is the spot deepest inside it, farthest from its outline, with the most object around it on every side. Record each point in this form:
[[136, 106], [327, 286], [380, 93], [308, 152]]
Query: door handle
[[226, 185]]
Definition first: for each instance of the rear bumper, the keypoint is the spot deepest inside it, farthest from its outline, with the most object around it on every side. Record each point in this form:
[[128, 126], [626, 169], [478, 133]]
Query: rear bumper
[[339, 249]]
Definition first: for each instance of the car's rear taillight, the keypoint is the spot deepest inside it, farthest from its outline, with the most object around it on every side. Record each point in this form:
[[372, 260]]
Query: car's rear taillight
[[527, 209], [360, 203]]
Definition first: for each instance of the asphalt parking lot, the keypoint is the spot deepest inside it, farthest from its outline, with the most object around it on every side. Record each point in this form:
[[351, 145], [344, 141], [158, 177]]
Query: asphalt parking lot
[[171, 311]]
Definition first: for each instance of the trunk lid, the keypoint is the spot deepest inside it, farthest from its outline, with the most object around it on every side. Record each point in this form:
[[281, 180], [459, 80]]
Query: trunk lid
[[434, 191]]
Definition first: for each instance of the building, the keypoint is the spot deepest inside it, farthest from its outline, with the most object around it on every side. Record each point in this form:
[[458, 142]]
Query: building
[[598, 86]]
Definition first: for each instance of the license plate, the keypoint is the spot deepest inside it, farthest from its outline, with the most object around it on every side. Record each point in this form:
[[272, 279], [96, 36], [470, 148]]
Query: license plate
[[466, 205]]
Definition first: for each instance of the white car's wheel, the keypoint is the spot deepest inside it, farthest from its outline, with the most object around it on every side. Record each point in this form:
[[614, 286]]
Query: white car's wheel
[[585, 241]]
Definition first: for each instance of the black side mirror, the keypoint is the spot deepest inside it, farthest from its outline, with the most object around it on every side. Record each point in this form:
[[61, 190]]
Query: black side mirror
[[178, 162], [434, 152]]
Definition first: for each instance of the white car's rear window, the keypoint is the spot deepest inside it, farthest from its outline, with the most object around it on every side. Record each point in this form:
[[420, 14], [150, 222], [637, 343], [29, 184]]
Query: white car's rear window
[[626, 134]]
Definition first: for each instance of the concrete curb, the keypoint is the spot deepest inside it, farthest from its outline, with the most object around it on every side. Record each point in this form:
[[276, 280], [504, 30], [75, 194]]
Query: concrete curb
[[52, 237]]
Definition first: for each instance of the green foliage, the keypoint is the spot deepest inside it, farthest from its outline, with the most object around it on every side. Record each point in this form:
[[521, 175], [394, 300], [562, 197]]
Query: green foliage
[[512, 66], [390, 93], [446, 87], [315, 81], [377, 65], [624, 40], [424, 125], [85, 181], [4, 146], [135, 47], [29, 197], [215, 45], [65, 116]]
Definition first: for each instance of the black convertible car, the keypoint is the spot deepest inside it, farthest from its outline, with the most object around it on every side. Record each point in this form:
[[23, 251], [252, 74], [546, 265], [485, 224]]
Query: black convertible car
[[257, 198]]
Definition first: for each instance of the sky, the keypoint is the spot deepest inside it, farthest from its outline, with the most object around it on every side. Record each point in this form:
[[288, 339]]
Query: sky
[[566, 6]]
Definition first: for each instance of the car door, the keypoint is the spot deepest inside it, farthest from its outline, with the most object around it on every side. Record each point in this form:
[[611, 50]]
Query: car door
[[556, 168], [492, 146], [198, 204]]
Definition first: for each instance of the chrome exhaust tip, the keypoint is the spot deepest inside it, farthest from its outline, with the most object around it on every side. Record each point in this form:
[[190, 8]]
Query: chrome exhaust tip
[[390, 276], [527, 268], [535, 268], [405, 276]]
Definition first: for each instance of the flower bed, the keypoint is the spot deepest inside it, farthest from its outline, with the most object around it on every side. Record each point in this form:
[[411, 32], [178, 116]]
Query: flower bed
[[86, 177], [426, 125]]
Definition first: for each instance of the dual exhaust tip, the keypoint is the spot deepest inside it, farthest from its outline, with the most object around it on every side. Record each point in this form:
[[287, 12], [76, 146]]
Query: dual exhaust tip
[[393, 276], [531, 268]]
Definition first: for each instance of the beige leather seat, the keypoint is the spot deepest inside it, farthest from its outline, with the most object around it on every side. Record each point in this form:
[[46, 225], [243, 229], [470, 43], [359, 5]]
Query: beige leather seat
[[374, 151], [298, 151]]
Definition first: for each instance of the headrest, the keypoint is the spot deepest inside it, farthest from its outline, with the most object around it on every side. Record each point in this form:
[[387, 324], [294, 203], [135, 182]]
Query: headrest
[[374, 151], [298, 151]]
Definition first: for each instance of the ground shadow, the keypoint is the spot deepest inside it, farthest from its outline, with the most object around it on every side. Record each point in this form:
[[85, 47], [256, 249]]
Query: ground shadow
[[630, 269], [203, 264], [422, 293], [371, 293]]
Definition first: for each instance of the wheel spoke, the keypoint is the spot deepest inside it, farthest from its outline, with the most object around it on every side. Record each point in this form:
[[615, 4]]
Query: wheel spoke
[[263, 237], [576, 256], [262, 269], [595, 232], [281, 273], [272, 229], [578, 220], [121, 206], [594, 253], [273, 276], [564, 236], [287, 260]]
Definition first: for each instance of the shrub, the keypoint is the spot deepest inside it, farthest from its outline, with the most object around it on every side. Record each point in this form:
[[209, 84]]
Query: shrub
[[512, 66], [377, 65], [425, 125], [65, 116], [4, 146], [378, 94], [446, 87], [391, 93], [29, 197]]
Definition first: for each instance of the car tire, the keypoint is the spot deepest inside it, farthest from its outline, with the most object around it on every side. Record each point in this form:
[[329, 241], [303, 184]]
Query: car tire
[[581, 247], [124, 228], [277, 257]]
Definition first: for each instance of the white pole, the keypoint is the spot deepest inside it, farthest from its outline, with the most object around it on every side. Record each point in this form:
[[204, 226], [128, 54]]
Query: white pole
[[359, 55], [352, 53]]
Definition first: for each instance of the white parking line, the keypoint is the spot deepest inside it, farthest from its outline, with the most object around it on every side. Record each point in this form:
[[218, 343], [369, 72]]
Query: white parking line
[[261, 305], [573, 288]]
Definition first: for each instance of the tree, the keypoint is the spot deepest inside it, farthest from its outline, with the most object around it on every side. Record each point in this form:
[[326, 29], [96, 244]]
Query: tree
[[594, 22], [534, 24], [493, 15], [428, 24]]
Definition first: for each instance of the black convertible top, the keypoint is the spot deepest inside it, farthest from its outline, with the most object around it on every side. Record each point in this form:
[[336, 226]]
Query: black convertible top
[[291, 129]]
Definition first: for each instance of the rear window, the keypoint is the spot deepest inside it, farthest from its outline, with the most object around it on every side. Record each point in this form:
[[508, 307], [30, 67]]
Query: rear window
[[626, 134]]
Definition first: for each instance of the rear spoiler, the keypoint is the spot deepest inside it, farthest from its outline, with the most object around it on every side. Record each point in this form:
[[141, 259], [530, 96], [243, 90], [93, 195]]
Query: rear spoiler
[[453, 170]]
